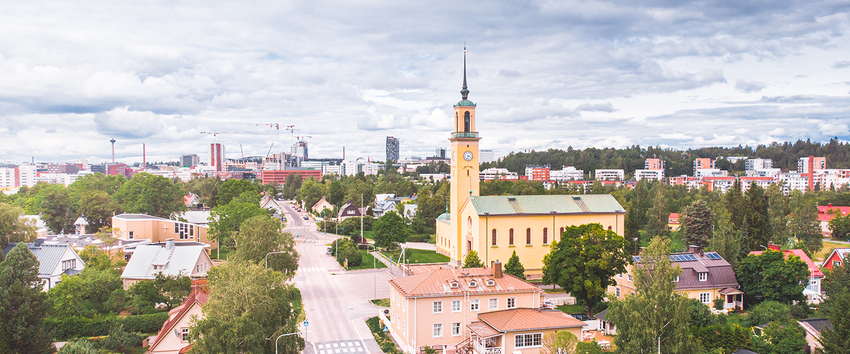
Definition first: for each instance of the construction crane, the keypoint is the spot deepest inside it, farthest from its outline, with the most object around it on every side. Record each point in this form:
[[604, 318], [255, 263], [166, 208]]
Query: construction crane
[[291, 129], [299, 138], [214, 134]]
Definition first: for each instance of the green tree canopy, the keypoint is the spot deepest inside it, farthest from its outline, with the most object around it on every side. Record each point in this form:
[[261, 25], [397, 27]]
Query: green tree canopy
[[725, 241], [773, 277], [767, 311], [389, 230], [152, 195], [803, 225], [233, 188], [472, 260], [757, 217], [698, 223], [781, 337], [228, 218], [559, 342], [262, 234], [727, 337], [655, 310], [247, 304], [514, 267], [93, 292], [23, 304], [839, 226], [57, 209], [14, 228], [170, 290], [585, 261]]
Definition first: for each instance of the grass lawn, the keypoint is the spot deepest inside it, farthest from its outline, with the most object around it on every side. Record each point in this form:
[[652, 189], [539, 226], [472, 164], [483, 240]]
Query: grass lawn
[[827, 249], [214, 254], [420, 256], [381, 302], [571, 308], [367, 262], [735, 318], [298, 306]]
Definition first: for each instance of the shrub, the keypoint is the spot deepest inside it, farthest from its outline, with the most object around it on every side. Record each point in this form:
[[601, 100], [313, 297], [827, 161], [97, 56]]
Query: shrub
[[75, 327], [83, 346], [767, 311], [355, 259], [118, 338], [718, 304]]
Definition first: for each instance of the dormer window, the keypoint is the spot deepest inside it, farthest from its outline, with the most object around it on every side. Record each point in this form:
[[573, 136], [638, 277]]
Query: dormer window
[[453, 285], [473, 283], [491, 282], [677, 279], [703, 276]]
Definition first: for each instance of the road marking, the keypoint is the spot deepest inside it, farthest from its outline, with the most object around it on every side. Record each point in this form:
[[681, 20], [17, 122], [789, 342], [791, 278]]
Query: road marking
[[345, 350], [336, 345], [321, 346]]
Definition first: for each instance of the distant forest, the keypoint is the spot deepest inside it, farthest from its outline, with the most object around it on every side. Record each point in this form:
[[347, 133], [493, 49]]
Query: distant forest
[[677, 162]]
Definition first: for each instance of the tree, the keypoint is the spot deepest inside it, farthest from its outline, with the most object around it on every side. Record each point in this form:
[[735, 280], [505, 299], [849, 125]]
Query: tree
[[588, 348], [247, 304], [734, 202], [472, 260], [724, 241], [93, 292], [778, 213], [559, 342], [585, 261], [839, 226], [767, 311], [698, 223], [262, 234], [152, 195], [657, 216], [781, 337], [771, 276], [170, 290], [14, 228], [23, 304], [226, 219], [837, 339], [803, 224], [57, 209], [233, 188], [345, 250], [389, 230], [97, 209], [756, 214], [79, 346], [727, 337], [514, 267], [836, 280], [656, 311], [701, 315]]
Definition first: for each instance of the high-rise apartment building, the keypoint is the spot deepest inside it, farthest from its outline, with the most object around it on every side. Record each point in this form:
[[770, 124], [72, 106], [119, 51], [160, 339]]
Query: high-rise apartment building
[[819, 163], [189, 160], [653, 164], [392, 149], [757, 164], [703, 163], [299, 149], [441, 153], [217, 156]]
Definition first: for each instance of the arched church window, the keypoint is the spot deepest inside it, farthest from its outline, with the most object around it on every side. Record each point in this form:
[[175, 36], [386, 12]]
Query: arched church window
[[545, 236], [493, 241], [511, 237], [466, 122], [528, 236]]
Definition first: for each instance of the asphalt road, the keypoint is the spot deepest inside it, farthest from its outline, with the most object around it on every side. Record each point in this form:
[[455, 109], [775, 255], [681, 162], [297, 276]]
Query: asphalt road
[[336, 302]]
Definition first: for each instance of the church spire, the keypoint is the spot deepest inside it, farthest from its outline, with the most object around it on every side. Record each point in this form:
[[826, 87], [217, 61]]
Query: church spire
[[464, 92]]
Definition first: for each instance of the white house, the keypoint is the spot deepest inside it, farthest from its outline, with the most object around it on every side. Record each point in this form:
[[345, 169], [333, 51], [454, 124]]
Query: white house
[[54, 260], [169, 259]]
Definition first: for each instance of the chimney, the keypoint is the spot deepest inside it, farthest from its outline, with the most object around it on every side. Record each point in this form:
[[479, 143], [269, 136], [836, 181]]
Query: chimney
[[169, 243], [497, 269], [693, 249], [39, 242]]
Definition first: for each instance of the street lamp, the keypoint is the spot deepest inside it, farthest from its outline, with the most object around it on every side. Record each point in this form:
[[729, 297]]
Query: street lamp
[[267, 257], [282, 335]]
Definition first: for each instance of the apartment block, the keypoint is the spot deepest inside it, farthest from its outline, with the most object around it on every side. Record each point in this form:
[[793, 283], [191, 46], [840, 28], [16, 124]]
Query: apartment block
[[653, 174], [568, 173], [653, 164], [393, 148], [610, 174], [703, 163], [539, 173], [819, 163], [758, 164]]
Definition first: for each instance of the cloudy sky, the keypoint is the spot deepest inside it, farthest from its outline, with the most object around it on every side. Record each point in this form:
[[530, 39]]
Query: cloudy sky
[[545, 74]]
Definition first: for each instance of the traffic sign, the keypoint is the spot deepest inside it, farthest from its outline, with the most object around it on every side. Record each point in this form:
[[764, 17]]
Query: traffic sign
[[305, 323], [386, 329]]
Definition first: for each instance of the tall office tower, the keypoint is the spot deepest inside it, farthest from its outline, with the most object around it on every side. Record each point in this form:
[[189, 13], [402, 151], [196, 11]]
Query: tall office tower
[[189, 160], [217, 156], [441, 153], [299, 149], [392, 149]]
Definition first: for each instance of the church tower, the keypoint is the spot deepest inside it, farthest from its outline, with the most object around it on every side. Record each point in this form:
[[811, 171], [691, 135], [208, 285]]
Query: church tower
[[465, 168]]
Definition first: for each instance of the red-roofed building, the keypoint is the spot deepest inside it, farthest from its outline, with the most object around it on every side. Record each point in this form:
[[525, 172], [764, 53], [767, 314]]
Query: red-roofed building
[[812, 290], [173, 338], [824, 216], [673, 222], [836, 258]]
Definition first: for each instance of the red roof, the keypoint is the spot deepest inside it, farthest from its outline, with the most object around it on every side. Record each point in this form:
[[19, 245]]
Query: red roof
[[825, 215], [200, 295], [813, 269]]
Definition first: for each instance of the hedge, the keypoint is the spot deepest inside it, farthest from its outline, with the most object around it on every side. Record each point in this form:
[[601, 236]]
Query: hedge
[[76, 327]]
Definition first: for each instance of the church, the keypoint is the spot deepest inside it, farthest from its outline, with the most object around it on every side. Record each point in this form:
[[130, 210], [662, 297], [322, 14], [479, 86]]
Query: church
[[495, 226]]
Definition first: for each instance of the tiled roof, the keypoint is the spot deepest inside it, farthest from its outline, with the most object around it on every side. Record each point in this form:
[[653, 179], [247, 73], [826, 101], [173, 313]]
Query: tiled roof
[[546, 204], [177, 260], [528, 319], [816, 325], [813, 269], [48, 256], [200, 294], [482, 330], [439, 283], [720, 273]]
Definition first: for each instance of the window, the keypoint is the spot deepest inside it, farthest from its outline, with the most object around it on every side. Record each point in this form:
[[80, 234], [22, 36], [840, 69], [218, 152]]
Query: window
[[545, 236], [474, 305], [473, 284], [705, 298], [511, 302], [703, 276], [493, 237], [453, 285], [493, 304], [455, 329], [528, 236], [438, 307], [620, 275], [184, 334], [617, 291], [527, 340], [69, 264], [677, 279], [455, 305], [466, 124], [438, 330], [130, 235], [491, 282], [630, 278], [836, 264], [511, 237], [562, 232]]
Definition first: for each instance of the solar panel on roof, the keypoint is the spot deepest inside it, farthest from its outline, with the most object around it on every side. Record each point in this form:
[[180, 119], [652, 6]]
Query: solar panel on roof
[[675, 258], [690, 257], [713, 255], [636, 258]]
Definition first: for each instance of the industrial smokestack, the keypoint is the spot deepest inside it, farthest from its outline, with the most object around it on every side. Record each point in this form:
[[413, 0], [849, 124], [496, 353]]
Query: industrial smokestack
[[113, 149]]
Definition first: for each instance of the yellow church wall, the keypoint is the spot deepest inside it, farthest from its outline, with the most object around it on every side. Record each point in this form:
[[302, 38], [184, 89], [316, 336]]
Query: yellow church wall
[[530, 255]]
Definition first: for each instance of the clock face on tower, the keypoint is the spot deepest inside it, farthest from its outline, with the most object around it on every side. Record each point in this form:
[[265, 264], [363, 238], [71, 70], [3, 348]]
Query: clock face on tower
[[467, 156]]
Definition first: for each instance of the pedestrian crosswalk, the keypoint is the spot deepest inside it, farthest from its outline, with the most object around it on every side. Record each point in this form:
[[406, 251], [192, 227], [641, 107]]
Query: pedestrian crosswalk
[[310, 240], [300, 270], [300, 227], [340, 347]]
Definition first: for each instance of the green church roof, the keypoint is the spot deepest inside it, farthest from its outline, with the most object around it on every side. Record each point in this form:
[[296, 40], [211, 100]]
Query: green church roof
[[465, 103], [547, 204]]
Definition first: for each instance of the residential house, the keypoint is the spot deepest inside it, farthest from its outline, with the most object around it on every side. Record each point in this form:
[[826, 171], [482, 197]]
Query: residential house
[[673, 222], [827, 213], [705, 276], [836, 258], [173, 338], [389, 204], [54, 260], [480, 309], [349, 210], [322, 204], [156, 229], [813, 328], [167, 258], [812, 289]]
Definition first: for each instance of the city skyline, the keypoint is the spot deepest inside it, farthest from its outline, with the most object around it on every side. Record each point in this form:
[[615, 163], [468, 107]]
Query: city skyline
[[544, 74]]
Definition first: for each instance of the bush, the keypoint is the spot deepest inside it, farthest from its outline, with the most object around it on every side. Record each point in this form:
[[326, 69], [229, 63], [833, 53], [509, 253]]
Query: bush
[[718, 304], [118, 338], [76, 327], [83, 346], [355, 259], [767, 311]]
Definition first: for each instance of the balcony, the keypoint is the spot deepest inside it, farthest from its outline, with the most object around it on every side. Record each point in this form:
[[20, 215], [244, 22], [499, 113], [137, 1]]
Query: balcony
[[481, 349], [465, 135]]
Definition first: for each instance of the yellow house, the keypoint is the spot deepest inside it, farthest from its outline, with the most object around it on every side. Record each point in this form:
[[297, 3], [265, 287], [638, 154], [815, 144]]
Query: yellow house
[[156, 229], [322, 204], [705, 276], [471, 309], [495, 226]]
